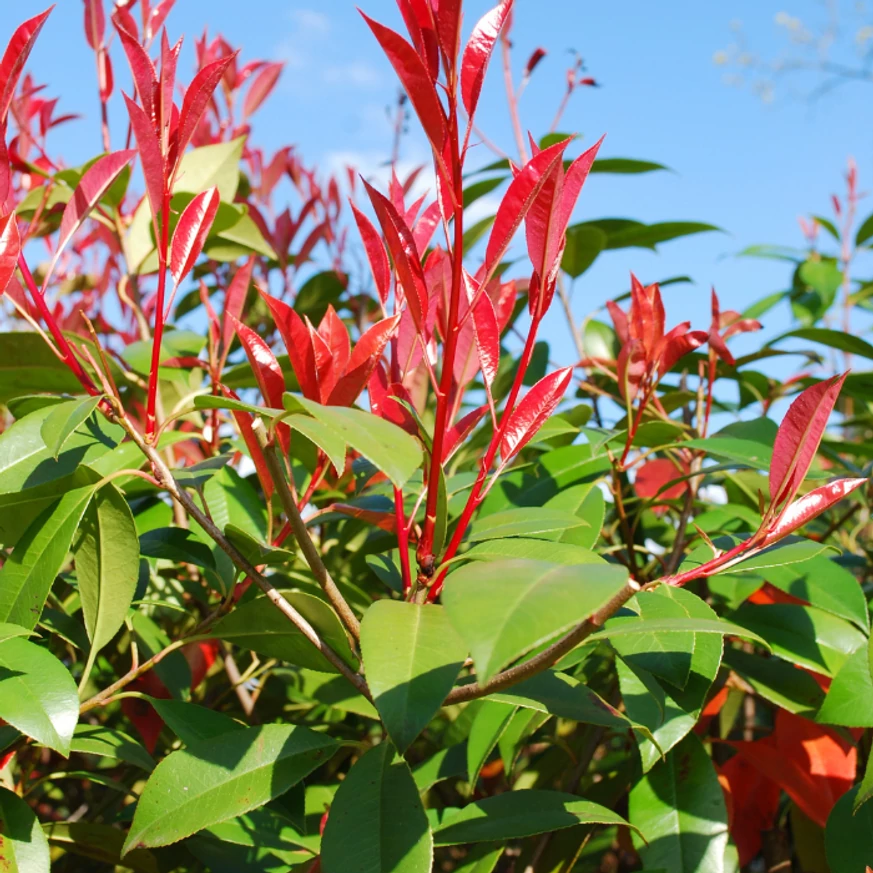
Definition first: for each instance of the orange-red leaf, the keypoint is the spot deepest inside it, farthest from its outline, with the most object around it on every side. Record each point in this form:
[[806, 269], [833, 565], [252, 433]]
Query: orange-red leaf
[[191, 232], [530, 415]]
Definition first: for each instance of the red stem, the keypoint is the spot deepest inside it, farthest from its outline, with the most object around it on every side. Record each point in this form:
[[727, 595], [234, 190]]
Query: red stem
[[70, 358], [402, 539], [159, 315]]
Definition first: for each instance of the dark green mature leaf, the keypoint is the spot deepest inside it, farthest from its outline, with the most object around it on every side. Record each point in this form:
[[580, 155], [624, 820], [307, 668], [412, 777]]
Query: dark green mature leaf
[[23, 846], [803, 635], [565, 697], [834, 339], [849, 835], [223, 777], [176, 544], [95, 739], [412, 656], [865, 231], [532, 522], [584, 244], [504, 609], [533, 550], [29, 366], [865, 789], [37, 694], [777, 681], [99, 842], [849, 700], [824, 583], [377, 823], [447, 763], [107, 566], [679, 808], [517, 814], [232, 500], [27, 577], [391, 449], [620, 627], [192, 723], [64, 419], [265, 829], [670, 713], [259, 626], [625, 165], [489, 723]]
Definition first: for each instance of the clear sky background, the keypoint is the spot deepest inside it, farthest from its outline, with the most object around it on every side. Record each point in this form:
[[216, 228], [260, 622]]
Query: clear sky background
[[739, 163]]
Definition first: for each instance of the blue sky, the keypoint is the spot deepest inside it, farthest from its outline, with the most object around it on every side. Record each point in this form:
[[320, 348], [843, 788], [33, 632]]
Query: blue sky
[[747, 167]]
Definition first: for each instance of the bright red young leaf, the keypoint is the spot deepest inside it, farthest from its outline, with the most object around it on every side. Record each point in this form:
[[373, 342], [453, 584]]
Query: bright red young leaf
[[799, 435], [448, 15], [530, 415], [461, 430], [416, 81], [407, 261], [810, 505], [15, 57], [194, 104], [364, 359], [95, 23], [377, 257], [92, 186], [191, 232], [724, 325], [234, 301], [519, 198], [653, 478], [149, 148], [145, 78], [10, 249], [261, 86], [486, 331], [298, 344], [477, 53], [266, 368], [386, 521]]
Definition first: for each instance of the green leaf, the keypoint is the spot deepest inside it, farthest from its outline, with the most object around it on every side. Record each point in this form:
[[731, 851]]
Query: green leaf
[[865, 789], [670, 713], [37, 694], [172, 669], [447, 763], [489, 723], [532, 522], [563, 696], [29, 366], [178, 545], [625, 165], [192, 723], [377, 823], [266, 829], [824, 583], [777, 681], [392, 450], [834, 339], [413, 656], [99, 842], [619, 627], [865, 231], [803, 635], [8, 631], [232, 500], [680, 810], [849, 700], [259, 626], [534, 550], [849, 836], [504, 609], [28, 575], [324, 436], [479, 189], [23, 846], [522, 813], [223, 777], [211, 166], [63, 419], [93, 739], [584, 244], [107, 566]]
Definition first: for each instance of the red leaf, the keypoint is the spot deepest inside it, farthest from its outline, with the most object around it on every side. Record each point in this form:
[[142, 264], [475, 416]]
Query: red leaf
[[244, 421], [298, 344], [574, 179], [196, 100], [619, 321], [799, 436], [191, 232], [164, 98], [486, 332], [150, 156], [376, 254], [461, 430], [477, 53], [519, 197], [678, 344], [10, 249], [266, 368], [95, 23], [416, 81], [261, 87], [337, 346], [386, 521], [630, 368], [15, 57], [143, 70], [92, 186], [407, 262], [200, 657], [383, 401], [365, 356], [528, 417], [234, 301], [653, 479], [449, 29], [806, 508], [426, 225], [104, 75]]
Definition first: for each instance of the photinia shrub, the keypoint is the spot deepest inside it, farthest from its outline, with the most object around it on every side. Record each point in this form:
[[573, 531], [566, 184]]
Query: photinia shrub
[[313, 560]]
